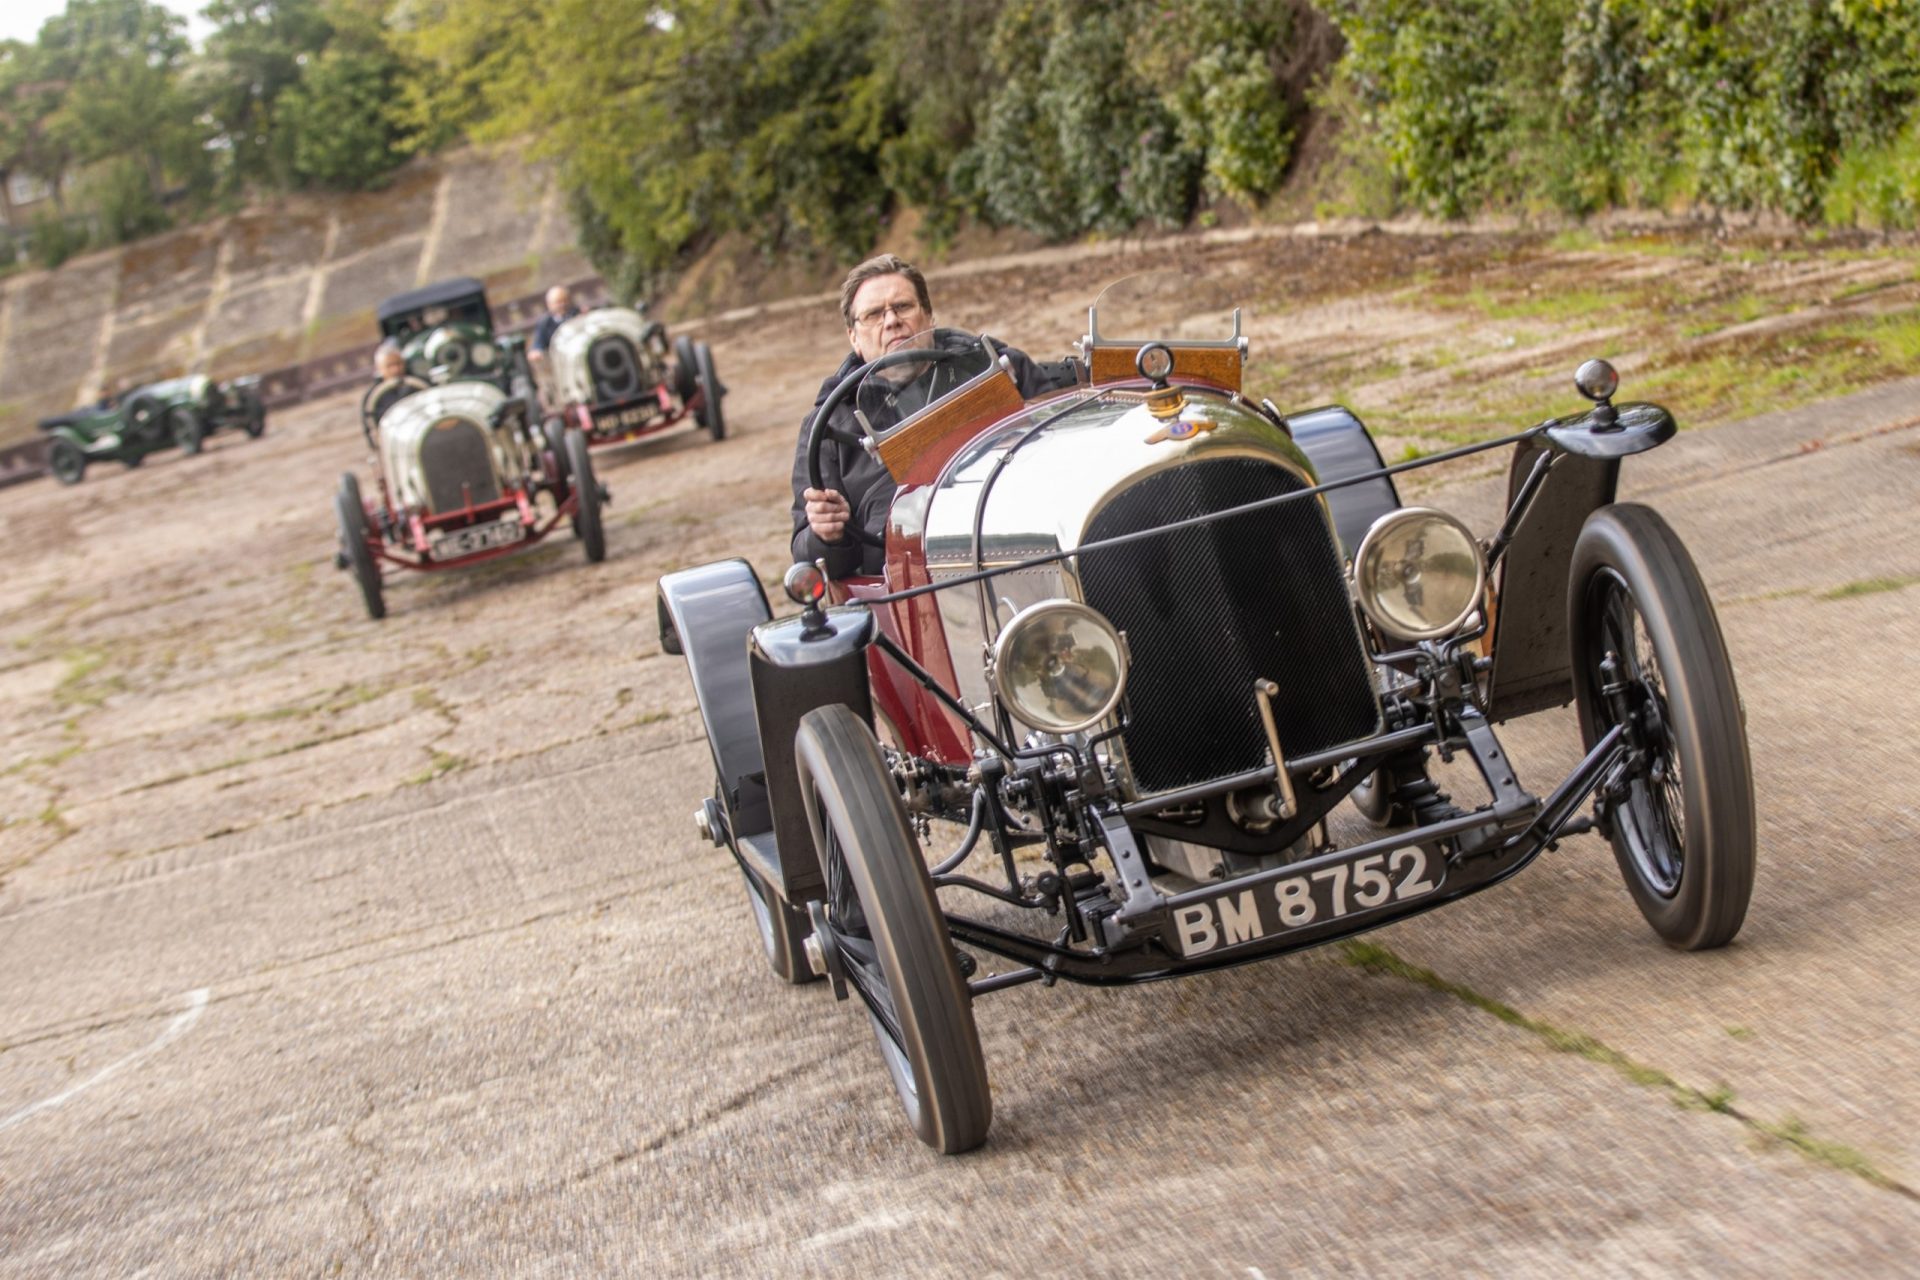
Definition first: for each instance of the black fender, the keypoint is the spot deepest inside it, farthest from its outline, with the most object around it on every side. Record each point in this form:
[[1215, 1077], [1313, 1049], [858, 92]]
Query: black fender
[[1532, 649], [707, 613], [1339, 446], [797, 667]]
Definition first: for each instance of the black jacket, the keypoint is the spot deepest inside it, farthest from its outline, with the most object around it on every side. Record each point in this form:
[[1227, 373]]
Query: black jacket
[[863, 478]]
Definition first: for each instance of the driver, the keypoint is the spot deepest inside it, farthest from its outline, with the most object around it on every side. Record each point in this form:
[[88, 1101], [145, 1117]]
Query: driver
[[390, 369], [885, 304]]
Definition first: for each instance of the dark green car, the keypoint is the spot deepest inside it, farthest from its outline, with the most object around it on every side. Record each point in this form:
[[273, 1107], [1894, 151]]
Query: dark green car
[[445, 331], [179, 412]]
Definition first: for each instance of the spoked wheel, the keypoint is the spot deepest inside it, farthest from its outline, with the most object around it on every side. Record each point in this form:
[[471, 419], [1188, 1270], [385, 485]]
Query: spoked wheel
[[66, 461], [587, 517], [887, 931], [710, 415], [353, 545], [1648, 656], [184, 425]]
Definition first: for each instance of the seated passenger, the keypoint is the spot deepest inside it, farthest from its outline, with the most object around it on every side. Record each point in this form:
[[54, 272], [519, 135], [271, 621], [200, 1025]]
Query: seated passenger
[[885, 304]]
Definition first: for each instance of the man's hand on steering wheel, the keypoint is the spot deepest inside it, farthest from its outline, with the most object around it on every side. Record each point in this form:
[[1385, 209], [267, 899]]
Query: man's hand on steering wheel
[[827, 514], [817, 437]]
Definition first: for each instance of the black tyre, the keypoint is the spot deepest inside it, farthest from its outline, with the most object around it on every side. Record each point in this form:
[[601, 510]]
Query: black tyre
[[256, 421], [783, 932], [888, 931], [353, 544], [709, 415], [1648, 655], [586, 517], [554, 462], [66, 461], [686, 369], [185, 428], [132, 455]]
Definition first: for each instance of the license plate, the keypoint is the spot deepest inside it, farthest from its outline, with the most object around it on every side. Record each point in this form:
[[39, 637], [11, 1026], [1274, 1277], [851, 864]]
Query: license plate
[[638, 416], [479, 537], [1315, 897]]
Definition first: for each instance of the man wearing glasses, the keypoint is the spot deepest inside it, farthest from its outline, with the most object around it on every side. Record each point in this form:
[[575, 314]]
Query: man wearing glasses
[[885, 304]]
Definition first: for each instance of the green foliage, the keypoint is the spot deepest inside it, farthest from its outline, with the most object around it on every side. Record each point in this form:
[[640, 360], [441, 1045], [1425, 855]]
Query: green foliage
[[1586, 103], [121, 194], [53, 239], [255, 55]]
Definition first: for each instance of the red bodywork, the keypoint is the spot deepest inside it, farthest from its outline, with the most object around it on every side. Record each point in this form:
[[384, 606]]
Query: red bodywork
[[591, 418]]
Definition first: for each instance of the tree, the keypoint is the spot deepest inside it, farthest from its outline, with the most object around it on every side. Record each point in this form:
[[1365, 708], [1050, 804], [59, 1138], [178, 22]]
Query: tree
[[256, 53]]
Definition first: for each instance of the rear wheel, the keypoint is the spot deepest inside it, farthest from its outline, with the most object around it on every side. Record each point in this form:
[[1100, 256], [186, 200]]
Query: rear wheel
[[256, 419], [1649, 657], [186, 429], [709, 415], [353, 545], [587, 516], [888, 933], [66, 461]]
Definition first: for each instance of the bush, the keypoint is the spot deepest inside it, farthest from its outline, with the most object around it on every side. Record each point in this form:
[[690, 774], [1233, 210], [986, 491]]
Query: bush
[[53, 239], [343, 134]]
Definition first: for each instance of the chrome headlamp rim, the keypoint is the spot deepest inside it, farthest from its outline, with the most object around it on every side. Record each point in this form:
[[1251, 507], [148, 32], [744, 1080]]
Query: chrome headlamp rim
[[1385, 525], [1012, 631]]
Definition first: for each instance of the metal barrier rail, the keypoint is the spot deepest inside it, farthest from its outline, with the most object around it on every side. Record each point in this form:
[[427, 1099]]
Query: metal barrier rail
[[322, 375]]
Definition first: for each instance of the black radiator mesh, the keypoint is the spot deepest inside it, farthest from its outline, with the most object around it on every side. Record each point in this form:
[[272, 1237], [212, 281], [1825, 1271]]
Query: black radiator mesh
[[455, 454], [1208, 610]]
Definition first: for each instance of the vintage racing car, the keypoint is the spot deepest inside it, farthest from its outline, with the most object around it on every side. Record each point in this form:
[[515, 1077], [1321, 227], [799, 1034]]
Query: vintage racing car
[[610, 375], [179, 412], [1154, 632], [463, 478], [445, 331]]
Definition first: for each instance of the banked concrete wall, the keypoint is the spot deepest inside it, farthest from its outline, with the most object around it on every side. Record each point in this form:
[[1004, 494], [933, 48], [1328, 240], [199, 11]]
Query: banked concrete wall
[[275, 285]]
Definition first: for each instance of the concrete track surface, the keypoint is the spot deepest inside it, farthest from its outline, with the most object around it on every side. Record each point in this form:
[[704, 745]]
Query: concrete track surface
[[341, 948]]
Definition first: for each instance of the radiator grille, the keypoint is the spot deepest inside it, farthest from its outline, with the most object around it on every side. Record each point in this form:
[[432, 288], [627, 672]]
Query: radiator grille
[[1210, 609], [452, 455]]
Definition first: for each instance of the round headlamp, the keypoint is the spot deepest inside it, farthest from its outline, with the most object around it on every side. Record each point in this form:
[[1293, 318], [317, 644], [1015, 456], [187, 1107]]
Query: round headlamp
[[1059, 666], [1419, 573], [482, 355]]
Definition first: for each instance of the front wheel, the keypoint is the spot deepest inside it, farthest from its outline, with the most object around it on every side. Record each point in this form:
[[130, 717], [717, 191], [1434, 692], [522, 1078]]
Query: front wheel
[[184, 425], [66, 461], [709, 415], [587, 521], [353, 545], [891, 938], [1648, 656]]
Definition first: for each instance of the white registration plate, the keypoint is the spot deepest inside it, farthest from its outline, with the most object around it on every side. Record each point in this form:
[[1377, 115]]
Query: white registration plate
[[638, 416], [1315, 897], [478, 537]]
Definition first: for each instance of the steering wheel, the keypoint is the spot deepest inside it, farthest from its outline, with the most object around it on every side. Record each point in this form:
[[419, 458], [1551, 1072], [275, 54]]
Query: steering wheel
[[408, 384], [817, 437]]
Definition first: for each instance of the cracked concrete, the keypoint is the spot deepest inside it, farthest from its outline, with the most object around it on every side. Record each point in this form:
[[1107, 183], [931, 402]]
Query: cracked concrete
[[512, 1018]]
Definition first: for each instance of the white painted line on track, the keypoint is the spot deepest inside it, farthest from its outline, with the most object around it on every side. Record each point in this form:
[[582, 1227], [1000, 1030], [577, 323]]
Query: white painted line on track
[[196, 1005]]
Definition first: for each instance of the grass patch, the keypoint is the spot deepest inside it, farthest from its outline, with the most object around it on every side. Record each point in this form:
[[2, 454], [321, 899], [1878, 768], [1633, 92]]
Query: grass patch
[[1869, 587], [1791, 1132], [78, 687], [441, 764]]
